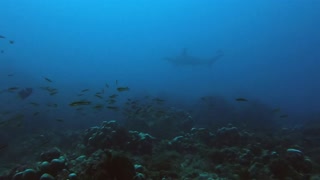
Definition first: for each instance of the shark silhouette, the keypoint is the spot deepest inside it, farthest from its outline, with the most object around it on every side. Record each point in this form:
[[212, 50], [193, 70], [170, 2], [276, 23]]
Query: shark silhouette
[[184, 59]]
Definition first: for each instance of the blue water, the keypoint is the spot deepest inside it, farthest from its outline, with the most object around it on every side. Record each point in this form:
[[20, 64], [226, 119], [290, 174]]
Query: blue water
[[271, 51]]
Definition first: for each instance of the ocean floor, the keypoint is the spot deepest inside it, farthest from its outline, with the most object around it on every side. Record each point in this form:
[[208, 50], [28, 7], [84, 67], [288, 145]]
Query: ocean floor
[[110, 151]]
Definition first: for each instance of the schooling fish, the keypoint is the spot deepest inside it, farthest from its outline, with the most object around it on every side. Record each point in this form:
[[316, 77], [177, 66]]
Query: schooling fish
[[121, 89], [3, 146], [47, 79], [241, 99], [113, 96], [79, 103], [98, 96], [98, 106], [34, 103], [59, 120], [284, 116], [84, 90], [53, 93], [113, 108], [13, 88]]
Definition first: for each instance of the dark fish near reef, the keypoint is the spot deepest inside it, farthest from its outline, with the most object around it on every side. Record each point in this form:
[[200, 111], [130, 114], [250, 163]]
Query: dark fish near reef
[[158, 100], [52, 91], [13, 88], [47, 79], [121, 89], [115, 108], [111, 101], [3, 146], [241, 99], [34, 103], [24, 93], [98, 106], [59, 120], [185, 59], [284, 116], [276, 110], [98, 96], [84, 90], [113, 96], [14, 121], [80, 103], [54, 105]]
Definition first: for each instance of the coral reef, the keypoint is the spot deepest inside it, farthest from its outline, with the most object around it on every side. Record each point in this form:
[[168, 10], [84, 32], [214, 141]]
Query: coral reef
[[110, 152]]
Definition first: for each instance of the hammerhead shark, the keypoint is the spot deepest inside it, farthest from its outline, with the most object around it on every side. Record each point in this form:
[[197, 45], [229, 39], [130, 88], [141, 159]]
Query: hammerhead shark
[[184, 59]]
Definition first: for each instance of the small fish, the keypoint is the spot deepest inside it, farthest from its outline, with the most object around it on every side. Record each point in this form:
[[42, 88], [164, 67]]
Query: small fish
[[10, 75], [158, 100], [44, 140], [80, 94], [2, 51], [2, 37], [121, 89], [98, 96], [111, 101], [284, 116], [107, 85], [138, 110], [159, 113], [13, 88], [53, 93], [276, 110], [113, 96], [98, 106], [34, 103], [11, 41], [52, 105], [6, 112], [241, 99], [3, 146], [47, 79], [116, 82], [113, 108], [80, 103], [35, 113], [17, 119], [79, 109], [84, 90], [59, 120]]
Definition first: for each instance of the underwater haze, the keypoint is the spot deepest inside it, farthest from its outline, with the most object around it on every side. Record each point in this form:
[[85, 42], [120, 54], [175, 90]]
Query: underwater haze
[[167, 89], [270, 50]]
